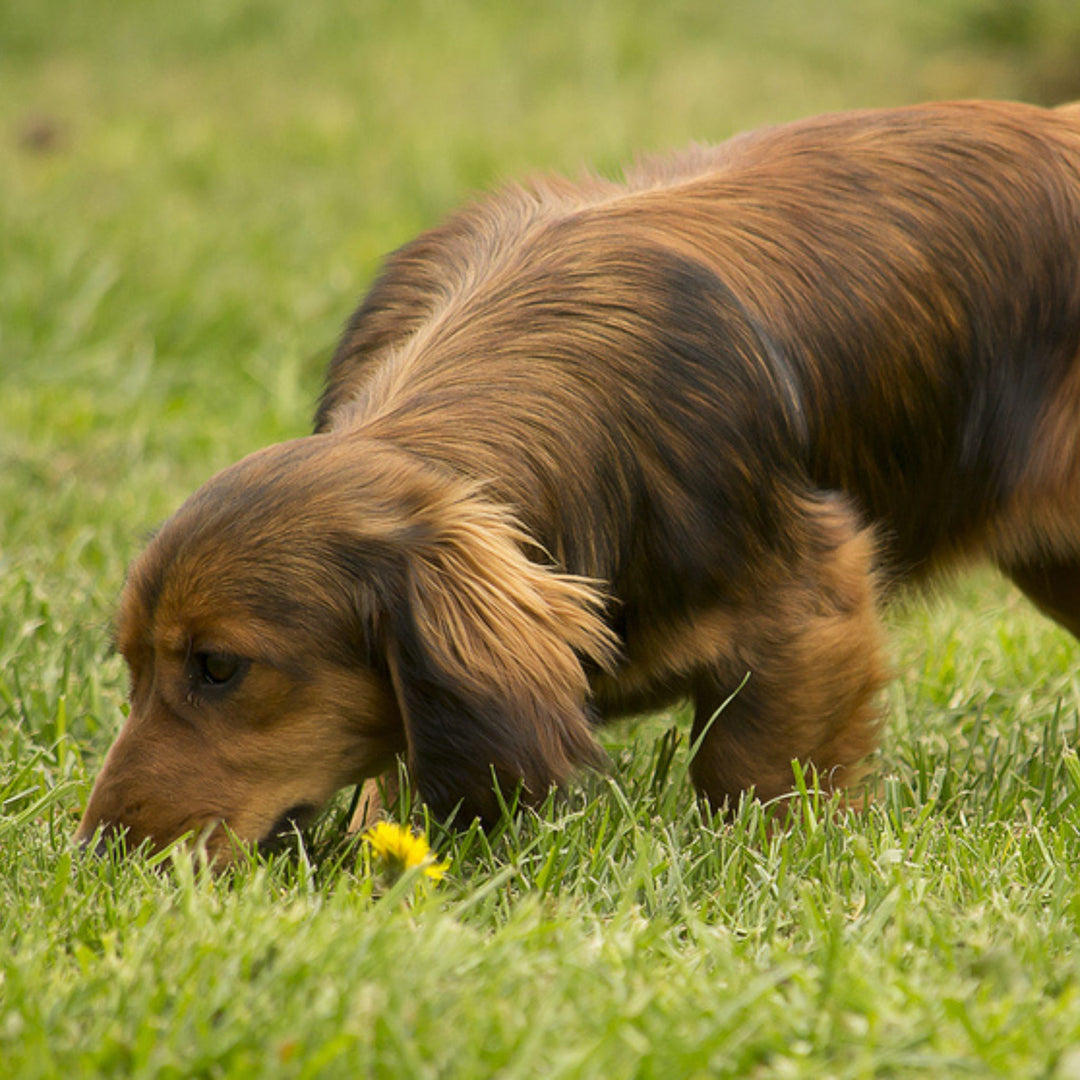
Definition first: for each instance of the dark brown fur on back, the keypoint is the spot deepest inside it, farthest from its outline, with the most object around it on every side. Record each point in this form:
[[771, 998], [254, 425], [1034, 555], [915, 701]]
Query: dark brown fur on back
[[589, 448]]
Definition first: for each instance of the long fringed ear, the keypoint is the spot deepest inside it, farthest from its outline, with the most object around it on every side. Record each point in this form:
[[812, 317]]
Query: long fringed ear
[[485, 655]]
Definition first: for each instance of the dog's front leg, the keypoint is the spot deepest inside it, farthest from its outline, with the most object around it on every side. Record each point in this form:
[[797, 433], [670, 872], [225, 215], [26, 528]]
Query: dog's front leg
[[810, 648]]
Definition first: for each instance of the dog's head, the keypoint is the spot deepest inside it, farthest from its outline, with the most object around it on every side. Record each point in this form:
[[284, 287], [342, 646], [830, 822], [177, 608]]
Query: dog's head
[[318, 608]]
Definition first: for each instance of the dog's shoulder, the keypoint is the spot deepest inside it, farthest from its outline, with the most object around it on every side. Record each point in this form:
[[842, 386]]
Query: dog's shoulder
[[423, 277]]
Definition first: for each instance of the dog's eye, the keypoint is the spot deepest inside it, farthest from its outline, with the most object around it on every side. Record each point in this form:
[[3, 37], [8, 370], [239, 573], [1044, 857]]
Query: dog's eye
[[217, 668]]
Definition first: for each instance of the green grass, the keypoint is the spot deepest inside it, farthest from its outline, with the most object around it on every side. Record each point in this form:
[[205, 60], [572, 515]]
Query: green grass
[[192, 198]]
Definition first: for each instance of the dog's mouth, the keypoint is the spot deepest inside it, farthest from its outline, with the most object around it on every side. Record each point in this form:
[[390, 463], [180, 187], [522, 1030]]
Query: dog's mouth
[[99, 842], [288, 825]]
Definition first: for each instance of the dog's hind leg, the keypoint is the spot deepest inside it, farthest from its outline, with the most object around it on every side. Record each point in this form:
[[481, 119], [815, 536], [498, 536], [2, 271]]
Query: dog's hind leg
[[811, 654], [1053, 586]]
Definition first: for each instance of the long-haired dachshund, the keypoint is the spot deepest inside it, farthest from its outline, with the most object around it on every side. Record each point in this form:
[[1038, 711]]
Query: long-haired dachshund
[[588, 449]]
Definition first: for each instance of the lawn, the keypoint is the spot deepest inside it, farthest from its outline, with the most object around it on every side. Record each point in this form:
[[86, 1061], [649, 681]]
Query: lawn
[[192, 199]]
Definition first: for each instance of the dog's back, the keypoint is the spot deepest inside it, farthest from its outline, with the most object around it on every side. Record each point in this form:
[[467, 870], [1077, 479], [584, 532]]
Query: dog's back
[[903, 285]]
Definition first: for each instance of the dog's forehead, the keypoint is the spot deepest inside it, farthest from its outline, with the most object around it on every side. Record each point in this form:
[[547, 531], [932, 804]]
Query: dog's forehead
[[274, 539], [277, 495], [171, 610], [195, 582], [215, 581]]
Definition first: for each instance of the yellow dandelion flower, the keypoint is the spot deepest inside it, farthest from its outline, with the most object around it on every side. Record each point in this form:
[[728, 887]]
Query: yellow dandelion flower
[[397, 849]]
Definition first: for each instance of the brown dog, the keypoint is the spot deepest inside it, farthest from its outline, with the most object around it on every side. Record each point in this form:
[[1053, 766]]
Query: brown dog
[[588, 449]]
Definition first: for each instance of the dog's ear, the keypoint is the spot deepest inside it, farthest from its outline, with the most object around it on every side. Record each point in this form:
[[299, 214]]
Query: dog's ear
[[485, 652]]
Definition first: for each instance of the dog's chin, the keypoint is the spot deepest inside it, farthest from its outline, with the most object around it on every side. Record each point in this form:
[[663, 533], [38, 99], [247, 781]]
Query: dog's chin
[[285, 829], [221, 844]]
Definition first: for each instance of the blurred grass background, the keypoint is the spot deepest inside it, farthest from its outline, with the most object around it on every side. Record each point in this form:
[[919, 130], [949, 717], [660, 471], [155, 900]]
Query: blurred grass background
[[192, 199]]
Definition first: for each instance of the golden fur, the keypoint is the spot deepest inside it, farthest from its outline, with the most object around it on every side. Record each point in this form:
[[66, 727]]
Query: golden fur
[[586, 449]]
